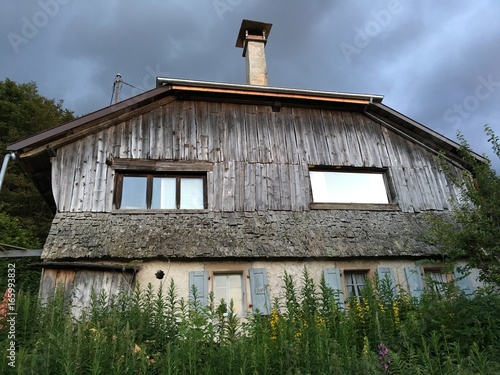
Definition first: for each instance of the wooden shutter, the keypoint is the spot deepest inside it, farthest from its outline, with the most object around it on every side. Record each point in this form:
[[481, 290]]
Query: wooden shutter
[[463, 281], [332, 280], [200, 280], [415, 282], [261, 302], [386, 273]]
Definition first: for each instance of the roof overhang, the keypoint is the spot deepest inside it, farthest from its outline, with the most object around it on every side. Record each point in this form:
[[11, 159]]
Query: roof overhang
[[266, 91]]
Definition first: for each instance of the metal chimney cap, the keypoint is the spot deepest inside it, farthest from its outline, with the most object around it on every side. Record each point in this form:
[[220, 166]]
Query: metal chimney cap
[[253, 28]]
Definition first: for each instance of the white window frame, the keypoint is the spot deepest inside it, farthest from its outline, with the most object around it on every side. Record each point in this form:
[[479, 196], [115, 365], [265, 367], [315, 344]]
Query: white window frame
[[350, 282], [354, 186], [227, 300]]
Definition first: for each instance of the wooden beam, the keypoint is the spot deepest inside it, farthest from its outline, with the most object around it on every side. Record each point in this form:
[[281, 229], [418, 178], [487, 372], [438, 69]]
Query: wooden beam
[[20, 253]]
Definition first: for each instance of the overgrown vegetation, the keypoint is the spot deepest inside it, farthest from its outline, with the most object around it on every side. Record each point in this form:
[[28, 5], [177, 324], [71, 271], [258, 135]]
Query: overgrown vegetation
[[24, 112], [474, 229], [24, 217], [306, 333]]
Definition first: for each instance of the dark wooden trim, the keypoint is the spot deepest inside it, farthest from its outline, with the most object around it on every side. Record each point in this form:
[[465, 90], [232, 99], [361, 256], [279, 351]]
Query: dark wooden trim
[[355, 206], [178, 175], [346, 169], [160, 165], [156, 211], [20, 253], [86, 266]]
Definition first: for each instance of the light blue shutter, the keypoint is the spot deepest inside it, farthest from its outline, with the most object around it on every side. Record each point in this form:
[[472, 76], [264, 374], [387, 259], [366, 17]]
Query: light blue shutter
[[200, 280], [332, 281], [259, 291], [386, 273], [463, 281], [415, 282]]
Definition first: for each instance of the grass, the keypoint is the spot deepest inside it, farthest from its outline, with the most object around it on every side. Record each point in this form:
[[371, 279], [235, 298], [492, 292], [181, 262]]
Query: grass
[[155, 332]]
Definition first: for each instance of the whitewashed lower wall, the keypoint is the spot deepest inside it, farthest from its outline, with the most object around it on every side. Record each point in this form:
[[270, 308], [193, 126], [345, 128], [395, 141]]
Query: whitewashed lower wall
[[179, 272]]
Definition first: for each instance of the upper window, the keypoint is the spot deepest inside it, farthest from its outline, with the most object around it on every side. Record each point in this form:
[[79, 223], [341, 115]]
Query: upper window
[[162, 191], [349, 187]]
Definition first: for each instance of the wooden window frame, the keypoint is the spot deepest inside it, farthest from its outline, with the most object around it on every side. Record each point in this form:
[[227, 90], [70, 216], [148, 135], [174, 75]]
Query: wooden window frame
[[243, 276], [390, 206], [149, 186], [345, 273], [436, 286]]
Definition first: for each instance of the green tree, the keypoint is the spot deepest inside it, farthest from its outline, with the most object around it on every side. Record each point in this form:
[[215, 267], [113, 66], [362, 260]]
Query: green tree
[[473, 232], [24, 112]]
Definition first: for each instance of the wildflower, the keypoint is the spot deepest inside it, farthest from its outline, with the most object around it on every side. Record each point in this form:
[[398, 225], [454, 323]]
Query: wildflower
[[366, 346], [384, 360], [319, 320], [395, 310], [381, 307], [274, 319]]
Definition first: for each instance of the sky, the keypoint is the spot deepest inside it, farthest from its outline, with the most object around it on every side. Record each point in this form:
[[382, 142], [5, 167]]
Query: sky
[[437, 62]]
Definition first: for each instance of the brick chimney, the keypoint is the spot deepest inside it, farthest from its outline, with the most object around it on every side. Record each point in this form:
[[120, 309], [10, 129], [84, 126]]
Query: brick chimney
[[253, 38]]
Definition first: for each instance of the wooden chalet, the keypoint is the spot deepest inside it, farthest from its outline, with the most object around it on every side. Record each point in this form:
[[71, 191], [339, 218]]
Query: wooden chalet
[[226, 186]]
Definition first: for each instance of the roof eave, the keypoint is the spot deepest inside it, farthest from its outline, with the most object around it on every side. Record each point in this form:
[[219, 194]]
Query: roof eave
[[186, 84]]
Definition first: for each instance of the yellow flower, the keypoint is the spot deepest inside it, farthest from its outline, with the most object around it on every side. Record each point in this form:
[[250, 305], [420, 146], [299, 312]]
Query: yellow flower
[[381, 307], [319, 320], [395, 310], [366, 346], [274, 319]]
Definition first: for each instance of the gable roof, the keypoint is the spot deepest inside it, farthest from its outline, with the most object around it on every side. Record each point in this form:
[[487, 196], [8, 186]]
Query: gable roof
[[35, 151]]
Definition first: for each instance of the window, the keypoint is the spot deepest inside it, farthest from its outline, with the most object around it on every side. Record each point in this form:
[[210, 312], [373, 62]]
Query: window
[[164, 191], [229, 287], [349, 187], [435, 279], [232, 281], [354, 283]]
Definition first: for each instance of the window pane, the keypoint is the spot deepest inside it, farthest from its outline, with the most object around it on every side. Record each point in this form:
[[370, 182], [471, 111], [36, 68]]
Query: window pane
[[191, 193], [229, 287], [163, 193], [134, 192], [354, 283], [348, 187]]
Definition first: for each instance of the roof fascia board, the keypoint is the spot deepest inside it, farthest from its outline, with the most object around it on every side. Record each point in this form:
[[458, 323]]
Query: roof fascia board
[[184, 84], [271, 94]]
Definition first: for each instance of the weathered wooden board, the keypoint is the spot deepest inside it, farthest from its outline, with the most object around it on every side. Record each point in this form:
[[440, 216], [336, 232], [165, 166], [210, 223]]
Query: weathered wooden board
[[260, 157]]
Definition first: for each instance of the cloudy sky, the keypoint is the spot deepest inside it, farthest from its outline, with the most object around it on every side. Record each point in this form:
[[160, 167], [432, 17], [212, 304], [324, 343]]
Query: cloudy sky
[[437, 62]]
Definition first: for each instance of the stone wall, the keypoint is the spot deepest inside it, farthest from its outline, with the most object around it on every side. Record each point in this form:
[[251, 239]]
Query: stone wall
[[251, 235]]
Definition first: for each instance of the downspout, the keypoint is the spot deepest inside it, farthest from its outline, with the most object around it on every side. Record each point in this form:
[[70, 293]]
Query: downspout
[[4, 166]]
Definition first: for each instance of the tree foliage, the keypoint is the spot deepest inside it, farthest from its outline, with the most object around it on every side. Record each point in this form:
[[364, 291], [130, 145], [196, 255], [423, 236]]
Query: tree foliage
[[474, 231], [24, 112]]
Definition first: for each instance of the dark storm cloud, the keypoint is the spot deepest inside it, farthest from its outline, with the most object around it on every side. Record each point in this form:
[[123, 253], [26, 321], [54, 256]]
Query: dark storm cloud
[[437, 62]]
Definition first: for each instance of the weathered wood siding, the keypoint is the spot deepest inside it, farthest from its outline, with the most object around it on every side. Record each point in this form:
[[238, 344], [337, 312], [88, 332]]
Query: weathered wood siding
[[260, 158], [78, 286]]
